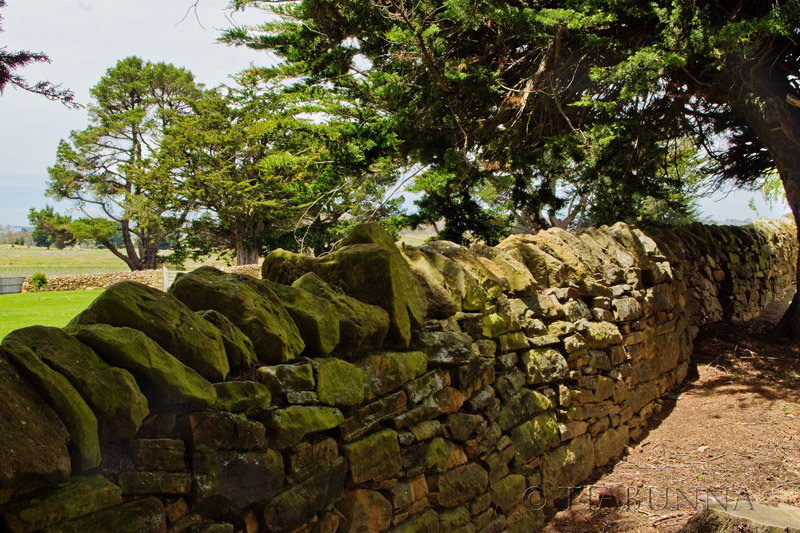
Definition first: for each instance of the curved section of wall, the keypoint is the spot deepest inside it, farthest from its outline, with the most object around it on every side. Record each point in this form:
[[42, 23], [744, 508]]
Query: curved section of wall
[[382, 387]]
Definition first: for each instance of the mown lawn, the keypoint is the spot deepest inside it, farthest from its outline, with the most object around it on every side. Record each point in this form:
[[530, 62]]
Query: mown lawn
[[48, 309]]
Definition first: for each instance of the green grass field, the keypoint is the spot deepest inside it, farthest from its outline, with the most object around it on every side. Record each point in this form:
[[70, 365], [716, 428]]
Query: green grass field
[[25, 261], [48, 309]]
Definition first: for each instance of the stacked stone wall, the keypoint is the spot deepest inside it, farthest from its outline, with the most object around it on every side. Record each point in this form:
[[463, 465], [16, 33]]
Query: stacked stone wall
[[383, 387], [151, 278]]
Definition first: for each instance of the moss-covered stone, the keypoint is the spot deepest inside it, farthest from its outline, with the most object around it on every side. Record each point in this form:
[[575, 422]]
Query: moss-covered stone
[[339, 383], [460, 485], [567, 466], [111, 393], [228, 482], [600, 334], [425, 522], [146, 483], [361, 326], [374, 458], [238, 347], [241, 396], [367, 266], [294, 506], [288, 426], [508, 492], [196, 342], [34, 452], [209, 431], [535, 437], [157, 454], [388, 371], [544, 365], [496, 324], [316, 318], [61, 396], [163, 378], [249, 304], [75, 497], [521, 407], [139, 516]]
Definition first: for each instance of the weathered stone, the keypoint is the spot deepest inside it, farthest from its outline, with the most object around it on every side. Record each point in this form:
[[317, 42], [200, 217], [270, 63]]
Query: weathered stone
[[193, 340], [281, 379], [522, 407], [544, 365], [292, 507], [369, 417], [406, 493], [443, 301], [505, 267], [227, 482], [361, 326], [61, 396], [508, 492], [610, 444], [367, 266], [364, 511], [388, 371], [211, 431], [535, 437], [339, 383], [249, 304], [163, 378], [442, 455], [511, 342], [526, 519], [496, 324], [373, 458], [146, 483], [307, 457], [288, 426], [316, 318], [241, 396], [744, 516], [139, 516], [567, 466], [111, 393], [34, 452], [238, 347], [75, 497], [463, 426], [460, 485], [626, 309], [425, 522], [157, 454], [599, 334], [426, 385], [453, 519], [445, 347]]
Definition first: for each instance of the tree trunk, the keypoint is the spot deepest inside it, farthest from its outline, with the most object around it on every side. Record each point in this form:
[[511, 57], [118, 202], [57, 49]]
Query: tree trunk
[[778, 127]]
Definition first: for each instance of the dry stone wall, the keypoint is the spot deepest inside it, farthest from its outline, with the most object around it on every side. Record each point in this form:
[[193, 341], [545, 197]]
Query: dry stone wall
[[151, 278], [382, 387]]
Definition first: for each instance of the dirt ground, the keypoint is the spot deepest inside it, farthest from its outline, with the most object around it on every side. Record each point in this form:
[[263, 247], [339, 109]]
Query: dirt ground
[[732, 431]]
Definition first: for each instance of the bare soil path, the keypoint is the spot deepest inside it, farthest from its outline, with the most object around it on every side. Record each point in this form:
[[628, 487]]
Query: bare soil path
[[732, 429]]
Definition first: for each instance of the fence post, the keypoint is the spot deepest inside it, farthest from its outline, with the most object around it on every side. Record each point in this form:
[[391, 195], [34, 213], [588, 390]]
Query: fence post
[[165, 278]]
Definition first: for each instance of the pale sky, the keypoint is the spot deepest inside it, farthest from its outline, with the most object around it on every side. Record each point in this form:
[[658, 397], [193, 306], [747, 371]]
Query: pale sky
[[85, 37]]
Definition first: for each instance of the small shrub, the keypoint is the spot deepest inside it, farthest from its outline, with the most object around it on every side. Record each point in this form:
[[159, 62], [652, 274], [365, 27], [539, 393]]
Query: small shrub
[[38, 281]]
